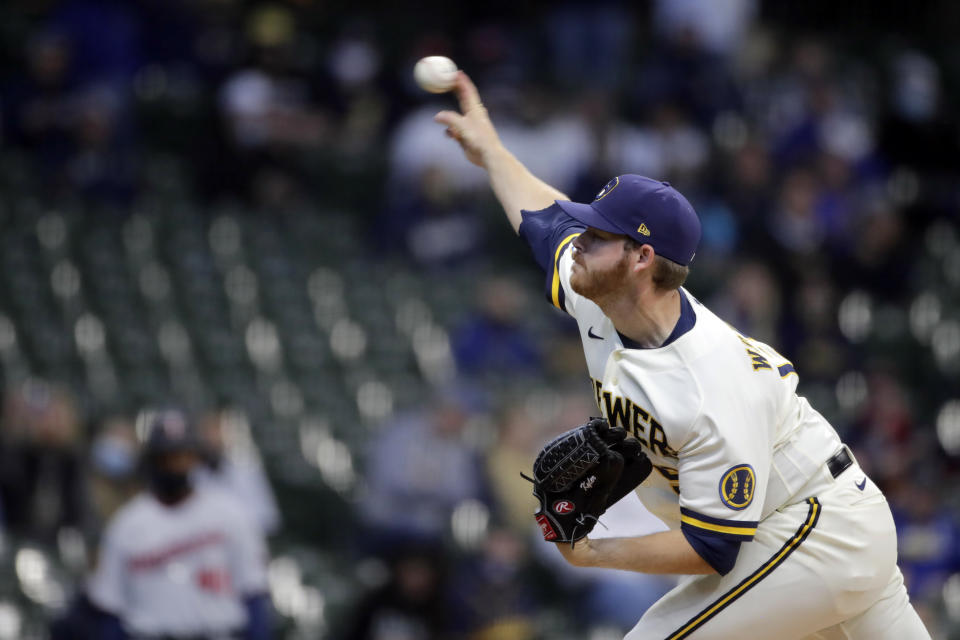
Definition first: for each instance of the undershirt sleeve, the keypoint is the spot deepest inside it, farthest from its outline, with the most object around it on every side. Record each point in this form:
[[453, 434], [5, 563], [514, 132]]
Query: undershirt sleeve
[[719, 553]]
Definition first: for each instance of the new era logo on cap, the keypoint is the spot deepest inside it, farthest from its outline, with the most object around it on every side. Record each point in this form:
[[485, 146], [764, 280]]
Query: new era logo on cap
[[649, 211]]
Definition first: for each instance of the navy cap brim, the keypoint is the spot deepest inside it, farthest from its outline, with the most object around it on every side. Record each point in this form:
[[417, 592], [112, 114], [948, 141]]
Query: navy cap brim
[[586, 214]]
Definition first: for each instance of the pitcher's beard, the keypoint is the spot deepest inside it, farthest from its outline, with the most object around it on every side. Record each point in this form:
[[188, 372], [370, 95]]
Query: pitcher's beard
[[600, 285]]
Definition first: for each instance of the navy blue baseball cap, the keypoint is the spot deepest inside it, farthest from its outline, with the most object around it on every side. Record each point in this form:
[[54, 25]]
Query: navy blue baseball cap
[[649, 211], [166, 430]]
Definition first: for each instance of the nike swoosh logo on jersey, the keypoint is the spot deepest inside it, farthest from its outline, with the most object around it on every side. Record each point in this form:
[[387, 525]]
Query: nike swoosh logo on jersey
[[593, 335], [861, 484]]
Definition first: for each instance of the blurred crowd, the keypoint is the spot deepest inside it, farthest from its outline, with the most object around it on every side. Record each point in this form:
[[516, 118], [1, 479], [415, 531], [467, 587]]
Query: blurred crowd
[[54, 480], [825, 169]]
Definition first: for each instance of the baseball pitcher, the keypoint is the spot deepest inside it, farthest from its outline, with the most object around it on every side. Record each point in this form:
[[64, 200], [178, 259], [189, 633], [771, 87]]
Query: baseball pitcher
[[779, 531]]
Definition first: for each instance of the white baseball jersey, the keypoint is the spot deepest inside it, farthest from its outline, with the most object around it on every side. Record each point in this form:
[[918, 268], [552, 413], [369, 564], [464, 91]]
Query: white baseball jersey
[[180, 570], [710, 408], [738, 456]]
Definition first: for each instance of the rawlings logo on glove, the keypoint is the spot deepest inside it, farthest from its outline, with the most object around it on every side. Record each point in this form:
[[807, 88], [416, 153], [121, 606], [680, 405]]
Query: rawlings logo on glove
[[582, 472], [563, 506]]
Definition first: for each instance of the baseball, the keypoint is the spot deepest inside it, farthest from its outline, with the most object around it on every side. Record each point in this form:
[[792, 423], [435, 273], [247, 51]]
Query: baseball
[[435, 74]]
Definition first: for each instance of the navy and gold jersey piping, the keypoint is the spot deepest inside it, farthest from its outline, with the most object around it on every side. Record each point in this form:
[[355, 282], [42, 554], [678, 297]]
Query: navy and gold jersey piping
[[731, 596], [786, 369], [549, 232], [556, 294], [717, 527]]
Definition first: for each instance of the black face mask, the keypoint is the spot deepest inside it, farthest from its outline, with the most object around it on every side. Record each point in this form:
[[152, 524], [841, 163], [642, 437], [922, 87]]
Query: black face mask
[[170, 486], [214, 459]]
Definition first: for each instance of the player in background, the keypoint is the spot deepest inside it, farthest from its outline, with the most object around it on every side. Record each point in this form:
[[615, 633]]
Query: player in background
[[781, 533], [180, 561]]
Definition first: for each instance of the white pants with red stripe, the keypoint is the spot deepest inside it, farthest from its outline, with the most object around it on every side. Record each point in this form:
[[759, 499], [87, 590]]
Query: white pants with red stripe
[[821, 569]]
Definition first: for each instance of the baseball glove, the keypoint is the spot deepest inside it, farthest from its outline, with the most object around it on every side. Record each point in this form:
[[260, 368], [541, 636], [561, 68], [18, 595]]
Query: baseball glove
[[580, 473]]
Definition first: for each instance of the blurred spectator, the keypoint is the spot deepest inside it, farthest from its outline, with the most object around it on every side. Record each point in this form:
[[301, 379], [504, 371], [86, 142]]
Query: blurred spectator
[[920, 129], [794, 98], [114, 473], [809, 327], [748, 189], [669, 147], [883, 430], [539, 127], [410, 605], [74, 106], [492, 595], [355, 65], [416, 146], [268, 107], [717, 26], [355, 59], [794, 224], [417, 471], [102, 166], [555, 142], [750, 301], [878, 242], [233, 466], [74, 129], [521, 433], [104, 36], [617, 598], [687, 65], [589, 44], [929, 537], [267, 104], [437, 226], [494, 339], [41, 477], [38, 106]]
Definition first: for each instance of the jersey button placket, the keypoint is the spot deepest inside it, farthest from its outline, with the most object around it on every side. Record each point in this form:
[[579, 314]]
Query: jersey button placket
[[613, 365]]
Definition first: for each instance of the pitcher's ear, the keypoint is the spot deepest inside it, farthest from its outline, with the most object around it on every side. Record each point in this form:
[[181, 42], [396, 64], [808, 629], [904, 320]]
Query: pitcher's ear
[[643, 257]]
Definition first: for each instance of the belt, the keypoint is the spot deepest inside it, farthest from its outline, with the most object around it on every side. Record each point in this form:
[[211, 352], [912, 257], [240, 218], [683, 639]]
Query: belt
[[839, 461]]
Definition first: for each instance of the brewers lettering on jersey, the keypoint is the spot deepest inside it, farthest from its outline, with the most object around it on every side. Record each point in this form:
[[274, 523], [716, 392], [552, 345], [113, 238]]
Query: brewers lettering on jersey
[[782, 534]]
